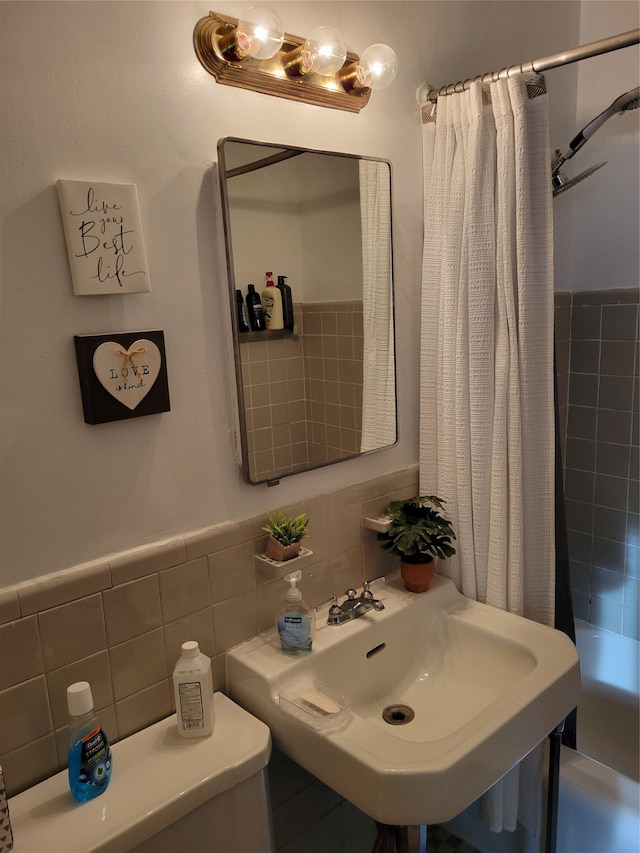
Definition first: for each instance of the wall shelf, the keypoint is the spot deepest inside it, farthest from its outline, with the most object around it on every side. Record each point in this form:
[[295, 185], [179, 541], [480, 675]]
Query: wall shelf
[[304, 553], [381, 524], [266, 335]]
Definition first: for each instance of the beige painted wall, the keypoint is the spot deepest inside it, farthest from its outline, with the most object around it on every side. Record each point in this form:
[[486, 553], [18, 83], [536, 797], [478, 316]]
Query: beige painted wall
[[113, 92]]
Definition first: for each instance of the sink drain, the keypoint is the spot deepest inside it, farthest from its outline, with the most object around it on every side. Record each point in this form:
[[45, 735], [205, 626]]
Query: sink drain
[[398, 715]]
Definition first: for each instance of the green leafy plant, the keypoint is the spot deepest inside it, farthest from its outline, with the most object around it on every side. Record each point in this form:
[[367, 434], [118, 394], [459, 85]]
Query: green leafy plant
[[418, 531], [287, 530]]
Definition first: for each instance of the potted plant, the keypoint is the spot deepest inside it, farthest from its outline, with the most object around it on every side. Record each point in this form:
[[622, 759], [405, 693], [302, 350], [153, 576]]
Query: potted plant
[[285, 536], [418, 533]]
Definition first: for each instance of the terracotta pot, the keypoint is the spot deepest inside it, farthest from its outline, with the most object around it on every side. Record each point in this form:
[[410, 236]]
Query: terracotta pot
[[417, 576], [281, 553]]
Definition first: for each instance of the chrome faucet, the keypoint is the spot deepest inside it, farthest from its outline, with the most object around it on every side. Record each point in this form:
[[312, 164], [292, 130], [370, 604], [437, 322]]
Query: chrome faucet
[[353, 606]]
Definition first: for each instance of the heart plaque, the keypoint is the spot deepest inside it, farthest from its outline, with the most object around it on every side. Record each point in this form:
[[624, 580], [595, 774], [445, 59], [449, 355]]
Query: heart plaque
[[128, 374]]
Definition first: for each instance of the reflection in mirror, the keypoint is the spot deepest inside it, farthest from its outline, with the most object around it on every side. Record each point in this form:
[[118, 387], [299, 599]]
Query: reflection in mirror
[[324, 390]]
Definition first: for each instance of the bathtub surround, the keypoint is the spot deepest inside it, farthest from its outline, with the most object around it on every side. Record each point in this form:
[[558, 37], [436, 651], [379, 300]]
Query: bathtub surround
[[597, 346], [119, 622], [610, 682]]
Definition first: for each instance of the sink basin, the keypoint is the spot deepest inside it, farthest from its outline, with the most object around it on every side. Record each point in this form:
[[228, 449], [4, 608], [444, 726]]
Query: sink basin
[[484, 686]]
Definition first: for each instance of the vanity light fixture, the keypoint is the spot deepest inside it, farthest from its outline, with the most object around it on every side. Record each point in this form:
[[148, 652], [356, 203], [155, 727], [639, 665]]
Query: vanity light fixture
[[254, 53]]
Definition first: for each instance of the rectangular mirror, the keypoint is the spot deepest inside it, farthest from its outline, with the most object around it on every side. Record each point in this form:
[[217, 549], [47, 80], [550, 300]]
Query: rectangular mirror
[[324, 389]]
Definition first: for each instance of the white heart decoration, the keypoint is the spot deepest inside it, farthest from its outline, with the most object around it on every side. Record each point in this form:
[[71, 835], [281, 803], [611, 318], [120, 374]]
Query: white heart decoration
[[128, 374]]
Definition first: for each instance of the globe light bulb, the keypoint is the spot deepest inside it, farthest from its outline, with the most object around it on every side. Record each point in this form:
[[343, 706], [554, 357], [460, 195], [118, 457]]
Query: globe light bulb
[[324, 51], [260, 32], [377, 67]]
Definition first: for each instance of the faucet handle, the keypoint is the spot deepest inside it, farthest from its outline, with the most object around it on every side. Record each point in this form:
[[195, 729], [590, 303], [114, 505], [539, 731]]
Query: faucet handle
[[335, 614], [367, 595]]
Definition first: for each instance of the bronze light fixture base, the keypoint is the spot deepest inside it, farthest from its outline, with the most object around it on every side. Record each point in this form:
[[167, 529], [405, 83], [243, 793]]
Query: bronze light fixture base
[[214, 43]]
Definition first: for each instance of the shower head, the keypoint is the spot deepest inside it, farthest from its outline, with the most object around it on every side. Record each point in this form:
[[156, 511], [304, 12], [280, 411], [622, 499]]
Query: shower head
[[624, 103], [561, 183]]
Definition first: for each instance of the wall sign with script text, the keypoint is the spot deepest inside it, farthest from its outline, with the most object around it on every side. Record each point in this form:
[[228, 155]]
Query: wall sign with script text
[[103, 231], [122, 375]]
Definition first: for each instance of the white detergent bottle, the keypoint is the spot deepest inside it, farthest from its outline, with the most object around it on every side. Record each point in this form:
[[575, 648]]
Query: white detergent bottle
[[272, 304], [295, 620], [193, 688]]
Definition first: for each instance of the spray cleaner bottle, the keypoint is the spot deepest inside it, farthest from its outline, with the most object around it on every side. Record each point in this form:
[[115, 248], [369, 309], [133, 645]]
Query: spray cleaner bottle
[[295, 620]]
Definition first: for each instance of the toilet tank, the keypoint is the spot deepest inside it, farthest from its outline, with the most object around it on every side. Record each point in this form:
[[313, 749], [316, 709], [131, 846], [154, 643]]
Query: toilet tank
[[167, 793]]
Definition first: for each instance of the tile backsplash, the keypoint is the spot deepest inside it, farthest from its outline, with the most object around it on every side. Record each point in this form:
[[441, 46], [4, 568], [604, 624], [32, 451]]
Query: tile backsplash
[[303, 392], [119, 622]]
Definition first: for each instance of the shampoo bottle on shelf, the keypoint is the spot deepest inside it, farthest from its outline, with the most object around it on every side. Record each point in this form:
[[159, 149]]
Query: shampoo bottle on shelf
[[89, 758], [243, 326], [287, 302], [255, 310], [193, 689], [295, 620], [272, 304]]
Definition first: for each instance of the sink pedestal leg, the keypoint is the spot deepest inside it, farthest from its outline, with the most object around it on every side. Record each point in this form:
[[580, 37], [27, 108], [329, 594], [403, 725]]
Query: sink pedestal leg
[[555, 743], [418, 839]]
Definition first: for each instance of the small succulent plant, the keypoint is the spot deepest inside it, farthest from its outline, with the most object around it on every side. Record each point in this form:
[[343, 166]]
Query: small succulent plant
[[287, 530]]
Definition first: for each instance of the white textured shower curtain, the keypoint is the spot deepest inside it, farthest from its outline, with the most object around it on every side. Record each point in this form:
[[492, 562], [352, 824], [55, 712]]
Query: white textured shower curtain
[[378, 368], [486, 400]]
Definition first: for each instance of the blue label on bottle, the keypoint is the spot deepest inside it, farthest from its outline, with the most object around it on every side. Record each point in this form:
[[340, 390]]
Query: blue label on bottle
[[295, 631], [89, 765], [95, 761]]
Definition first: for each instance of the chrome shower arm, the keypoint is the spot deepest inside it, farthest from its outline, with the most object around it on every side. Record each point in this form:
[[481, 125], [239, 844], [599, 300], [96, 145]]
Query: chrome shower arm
[[628, 101]]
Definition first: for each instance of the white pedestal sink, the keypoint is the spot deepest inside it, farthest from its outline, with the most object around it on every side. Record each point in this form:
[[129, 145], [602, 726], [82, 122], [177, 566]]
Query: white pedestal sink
[[485, 687]]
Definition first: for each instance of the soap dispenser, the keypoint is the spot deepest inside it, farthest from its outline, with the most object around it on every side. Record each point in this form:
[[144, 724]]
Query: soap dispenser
[[272, 304], [295, 620]]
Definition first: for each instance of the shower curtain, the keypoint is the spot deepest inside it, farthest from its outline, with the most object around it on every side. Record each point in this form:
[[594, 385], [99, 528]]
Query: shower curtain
[[486, 402]]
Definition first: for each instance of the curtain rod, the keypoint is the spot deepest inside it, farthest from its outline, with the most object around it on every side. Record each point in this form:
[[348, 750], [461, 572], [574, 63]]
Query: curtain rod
[[594, 48]]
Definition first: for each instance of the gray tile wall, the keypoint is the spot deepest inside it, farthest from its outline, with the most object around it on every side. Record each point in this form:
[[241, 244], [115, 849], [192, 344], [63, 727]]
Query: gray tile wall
[[563, 353], [601, 455]]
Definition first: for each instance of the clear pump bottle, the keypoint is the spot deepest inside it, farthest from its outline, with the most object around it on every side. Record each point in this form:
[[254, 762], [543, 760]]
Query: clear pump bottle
[[295, 620]]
